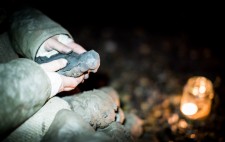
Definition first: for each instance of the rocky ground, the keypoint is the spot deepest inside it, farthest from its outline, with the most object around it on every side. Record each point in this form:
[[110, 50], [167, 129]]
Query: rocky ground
[[149, 72]]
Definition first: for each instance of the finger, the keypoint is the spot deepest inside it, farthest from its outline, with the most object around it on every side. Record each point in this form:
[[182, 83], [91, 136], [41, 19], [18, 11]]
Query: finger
[[70, 83], [68, 89], [54, 65], [48, 43], [76, 47], [56, 45]]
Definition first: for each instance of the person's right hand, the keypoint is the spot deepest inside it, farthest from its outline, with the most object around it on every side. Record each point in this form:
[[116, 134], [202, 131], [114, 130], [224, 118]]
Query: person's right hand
[[60, 82]]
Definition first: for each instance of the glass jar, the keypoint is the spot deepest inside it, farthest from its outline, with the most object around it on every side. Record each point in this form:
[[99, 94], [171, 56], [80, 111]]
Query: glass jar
[[197, 98]]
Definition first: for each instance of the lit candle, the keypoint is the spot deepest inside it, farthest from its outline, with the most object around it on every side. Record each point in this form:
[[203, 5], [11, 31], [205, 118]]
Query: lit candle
[[197, 98]]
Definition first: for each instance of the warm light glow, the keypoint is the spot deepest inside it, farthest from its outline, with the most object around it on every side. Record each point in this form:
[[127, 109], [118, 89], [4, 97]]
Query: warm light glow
[[202, 89], [192, 136], [183, 124], [189, 108], [198, 91], [197, 98], [195, 91]]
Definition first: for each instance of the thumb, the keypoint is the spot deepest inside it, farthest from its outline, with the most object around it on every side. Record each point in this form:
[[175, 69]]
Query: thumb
[[54, 65]]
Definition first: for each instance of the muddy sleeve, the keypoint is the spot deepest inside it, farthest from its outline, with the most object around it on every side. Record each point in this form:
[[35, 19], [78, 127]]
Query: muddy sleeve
[[29, 28], [24, 88]]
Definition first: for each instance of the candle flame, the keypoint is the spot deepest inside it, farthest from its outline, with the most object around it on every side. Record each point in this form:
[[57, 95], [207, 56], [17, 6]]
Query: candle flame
[[189, 108]]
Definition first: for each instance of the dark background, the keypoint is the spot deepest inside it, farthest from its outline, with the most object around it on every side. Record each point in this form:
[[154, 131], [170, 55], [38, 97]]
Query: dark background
[[201, 22]]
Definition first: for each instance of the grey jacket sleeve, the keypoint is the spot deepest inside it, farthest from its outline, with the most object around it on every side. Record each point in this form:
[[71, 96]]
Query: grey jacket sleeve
[[29, 28], [24, 88]]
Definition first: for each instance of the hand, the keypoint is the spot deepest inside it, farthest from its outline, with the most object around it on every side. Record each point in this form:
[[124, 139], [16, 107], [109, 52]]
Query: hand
[[63, 44], [59, 82]]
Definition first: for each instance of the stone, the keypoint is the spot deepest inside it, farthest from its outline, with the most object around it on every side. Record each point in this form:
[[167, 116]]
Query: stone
[[110, 91], [134, 124], [117, 132], [77, 65], [113, 93], [95, 107]]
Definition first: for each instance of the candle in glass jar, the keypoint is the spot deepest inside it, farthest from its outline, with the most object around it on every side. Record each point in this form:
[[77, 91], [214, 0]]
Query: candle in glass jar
[[197, 98]]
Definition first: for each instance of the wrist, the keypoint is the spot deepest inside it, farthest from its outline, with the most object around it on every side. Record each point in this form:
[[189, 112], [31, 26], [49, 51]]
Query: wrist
[[56, 82]]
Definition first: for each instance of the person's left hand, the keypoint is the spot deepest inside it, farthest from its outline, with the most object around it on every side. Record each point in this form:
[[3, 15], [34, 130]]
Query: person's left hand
[[63, 44]]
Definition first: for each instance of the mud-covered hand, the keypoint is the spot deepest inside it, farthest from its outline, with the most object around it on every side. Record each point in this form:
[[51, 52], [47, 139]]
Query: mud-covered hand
[[59, 82]]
